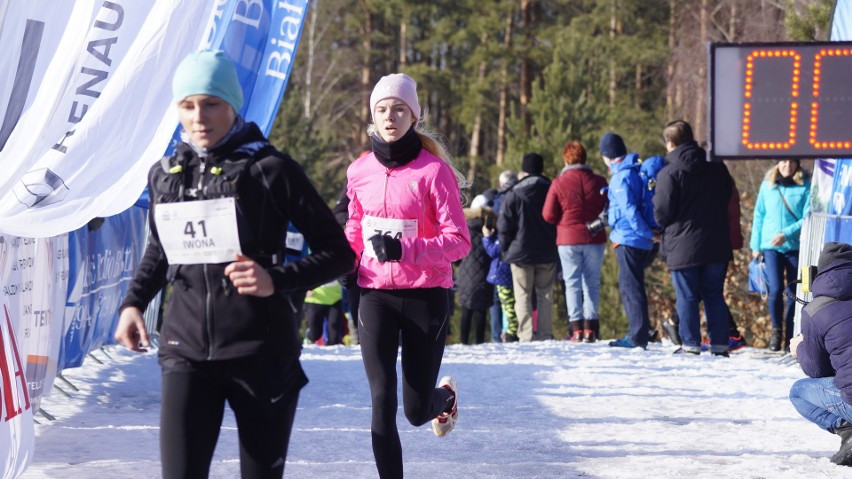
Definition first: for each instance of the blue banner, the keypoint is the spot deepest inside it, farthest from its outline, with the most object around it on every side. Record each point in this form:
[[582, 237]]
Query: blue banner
[[839, 224], [261, 38], [102, 260], [262, 42]]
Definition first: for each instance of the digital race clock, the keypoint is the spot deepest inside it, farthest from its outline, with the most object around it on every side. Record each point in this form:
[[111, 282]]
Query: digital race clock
[[780, 100]]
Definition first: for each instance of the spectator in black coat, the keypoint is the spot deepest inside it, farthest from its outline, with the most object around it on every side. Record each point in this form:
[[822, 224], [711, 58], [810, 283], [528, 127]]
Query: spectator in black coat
[[691, 208], [528, 244]]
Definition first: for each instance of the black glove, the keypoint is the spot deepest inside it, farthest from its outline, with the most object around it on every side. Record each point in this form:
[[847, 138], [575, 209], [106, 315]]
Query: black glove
[[387, 248], [349, 281]]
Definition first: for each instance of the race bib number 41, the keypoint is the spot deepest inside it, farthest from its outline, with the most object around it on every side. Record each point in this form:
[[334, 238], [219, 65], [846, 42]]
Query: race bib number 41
[[372, 225], [197, 232]]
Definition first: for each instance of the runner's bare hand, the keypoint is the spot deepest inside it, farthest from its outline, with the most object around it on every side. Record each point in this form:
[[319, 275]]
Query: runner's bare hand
[[131, 331], [249, 277]]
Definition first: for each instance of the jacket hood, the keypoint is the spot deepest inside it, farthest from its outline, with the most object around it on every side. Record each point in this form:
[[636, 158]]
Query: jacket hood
[[835, 281], [530, 180], [630, 160], [575, 167], [686, 156]]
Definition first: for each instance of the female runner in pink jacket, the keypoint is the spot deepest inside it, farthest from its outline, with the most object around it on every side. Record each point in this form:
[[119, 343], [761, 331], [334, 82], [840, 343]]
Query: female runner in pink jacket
[[407, 226]]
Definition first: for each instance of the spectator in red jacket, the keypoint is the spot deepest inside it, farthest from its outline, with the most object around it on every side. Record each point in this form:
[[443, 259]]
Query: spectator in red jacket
[[575, 201]]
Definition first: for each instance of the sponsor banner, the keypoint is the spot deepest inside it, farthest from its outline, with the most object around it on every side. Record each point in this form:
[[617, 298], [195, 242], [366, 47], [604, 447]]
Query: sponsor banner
[[29, 32], [77, 152], [839, 223], [103, 258], [34, 279], [262, 39], [17, 432], [33, 275], [822, 184], [841, 27]]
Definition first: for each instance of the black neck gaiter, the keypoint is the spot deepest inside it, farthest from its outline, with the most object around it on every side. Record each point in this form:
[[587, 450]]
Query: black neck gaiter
[[399, 152], [784, 180]]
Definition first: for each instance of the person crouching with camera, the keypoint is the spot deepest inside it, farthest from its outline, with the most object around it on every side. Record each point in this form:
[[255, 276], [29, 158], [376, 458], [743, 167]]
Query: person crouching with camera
[[576, 203], [631, 235]]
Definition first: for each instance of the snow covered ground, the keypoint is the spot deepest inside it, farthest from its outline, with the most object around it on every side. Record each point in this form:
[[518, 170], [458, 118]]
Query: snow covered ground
[[537, 410]]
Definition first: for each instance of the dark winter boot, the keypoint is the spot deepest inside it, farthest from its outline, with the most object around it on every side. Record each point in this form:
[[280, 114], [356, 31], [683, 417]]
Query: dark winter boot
[[775, 340], [843, 457], [575, 331], [590, 330]]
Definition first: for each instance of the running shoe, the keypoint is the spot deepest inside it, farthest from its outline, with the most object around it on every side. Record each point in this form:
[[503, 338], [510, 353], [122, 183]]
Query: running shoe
[[446, 421]]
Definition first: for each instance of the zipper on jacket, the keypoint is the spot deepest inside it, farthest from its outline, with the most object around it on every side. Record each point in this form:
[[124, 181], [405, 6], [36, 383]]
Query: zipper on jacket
[[208, 296], [208, 313], [389, 264]]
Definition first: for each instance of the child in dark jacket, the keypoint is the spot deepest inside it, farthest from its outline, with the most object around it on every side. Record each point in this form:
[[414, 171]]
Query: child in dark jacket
[[500, 275], [824, 350], [475, 294]]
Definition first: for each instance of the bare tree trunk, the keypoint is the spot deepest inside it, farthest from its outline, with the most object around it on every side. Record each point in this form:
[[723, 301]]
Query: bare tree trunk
[[403, 38], [700, 80], [366, 87], [670, 68], [613, 23], [504, 94], [477, 121], [526, 69], [732, 24], [309, 68], [638, 96]]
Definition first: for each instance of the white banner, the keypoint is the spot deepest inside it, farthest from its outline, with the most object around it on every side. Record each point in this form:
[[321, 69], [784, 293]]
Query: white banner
[[29, 32], [17, 433], [841, 28], [109, 78], [34, 277]]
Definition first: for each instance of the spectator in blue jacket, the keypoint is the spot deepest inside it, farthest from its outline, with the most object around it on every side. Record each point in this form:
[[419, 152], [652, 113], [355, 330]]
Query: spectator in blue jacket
[[782, 204], [632, 236], [824, 350]]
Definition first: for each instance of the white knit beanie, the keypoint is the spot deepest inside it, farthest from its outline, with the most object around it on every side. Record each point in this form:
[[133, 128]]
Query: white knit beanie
[[396, 85]]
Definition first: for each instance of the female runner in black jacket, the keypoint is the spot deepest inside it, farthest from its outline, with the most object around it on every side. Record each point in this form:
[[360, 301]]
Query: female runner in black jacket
[[229, 333]]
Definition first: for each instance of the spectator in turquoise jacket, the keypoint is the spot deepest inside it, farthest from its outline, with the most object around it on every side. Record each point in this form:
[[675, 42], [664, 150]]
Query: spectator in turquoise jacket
[[782, 204]]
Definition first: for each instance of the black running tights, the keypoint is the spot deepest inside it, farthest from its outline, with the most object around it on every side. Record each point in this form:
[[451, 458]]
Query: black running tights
[[193, 403], [418, 318]]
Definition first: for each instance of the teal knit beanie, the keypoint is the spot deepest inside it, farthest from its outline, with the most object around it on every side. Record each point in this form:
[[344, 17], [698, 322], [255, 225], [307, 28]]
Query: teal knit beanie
[[208, 72]]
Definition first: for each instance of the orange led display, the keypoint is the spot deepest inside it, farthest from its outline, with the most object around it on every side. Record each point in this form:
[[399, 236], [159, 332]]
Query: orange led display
[[780, 100], [758, 57], [819, 60]]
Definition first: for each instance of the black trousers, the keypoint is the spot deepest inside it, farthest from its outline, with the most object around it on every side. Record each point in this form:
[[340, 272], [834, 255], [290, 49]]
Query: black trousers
[[417, 319], [262, 396], [475, 317], [317, 314]]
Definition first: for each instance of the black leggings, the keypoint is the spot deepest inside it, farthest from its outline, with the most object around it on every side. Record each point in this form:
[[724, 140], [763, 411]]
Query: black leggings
[[317, 314], [193, 404], [419, 318]]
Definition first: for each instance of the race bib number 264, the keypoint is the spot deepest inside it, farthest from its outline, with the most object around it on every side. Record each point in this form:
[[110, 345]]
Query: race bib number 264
[[397, 228]]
